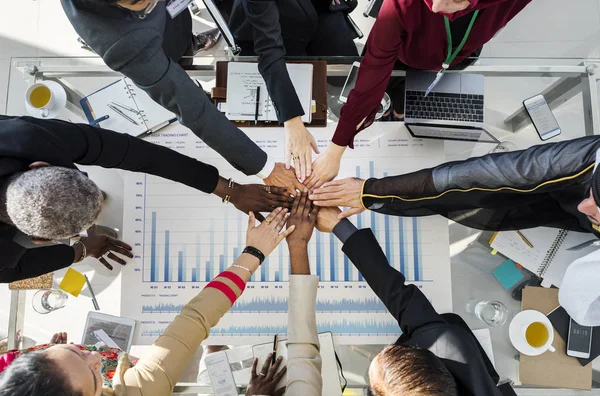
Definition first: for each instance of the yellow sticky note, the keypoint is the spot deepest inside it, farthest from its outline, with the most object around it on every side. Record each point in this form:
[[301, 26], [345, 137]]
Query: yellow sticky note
[[494, 251], [73, 282]]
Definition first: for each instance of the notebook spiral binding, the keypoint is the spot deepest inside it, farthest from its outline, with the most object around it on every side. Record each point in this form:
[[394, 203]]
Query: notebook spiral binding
[[560, 238], [132, 94]]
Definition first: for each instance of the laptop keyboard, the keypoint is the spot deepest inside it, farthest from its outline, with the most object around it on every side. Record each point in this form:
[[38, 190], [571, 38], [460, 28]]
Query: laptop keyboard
[[444, 106]]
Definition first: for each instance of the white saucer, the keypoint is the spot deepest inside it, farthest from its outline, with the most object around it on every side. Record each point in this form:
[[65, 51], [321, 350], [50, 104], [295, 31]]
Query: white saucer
[[515, 331], [60, 97]]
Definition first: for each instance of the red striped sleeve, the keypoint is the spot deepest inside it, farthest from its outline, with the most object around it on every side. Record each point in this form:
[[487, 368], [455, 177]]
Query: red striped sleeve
[[239, 282], [223, 288]]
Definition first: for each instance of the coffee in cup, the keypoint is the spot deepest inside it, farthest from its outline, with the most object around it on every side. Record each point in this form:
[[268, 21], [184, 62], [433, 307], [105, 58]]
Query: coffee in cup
[[531, 333]]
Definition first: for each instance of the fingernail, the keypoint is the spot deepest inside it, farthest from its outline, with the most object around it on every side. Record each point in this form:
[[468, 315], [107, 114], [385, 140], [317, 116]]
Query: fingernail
[[280, 358], [311, 196]]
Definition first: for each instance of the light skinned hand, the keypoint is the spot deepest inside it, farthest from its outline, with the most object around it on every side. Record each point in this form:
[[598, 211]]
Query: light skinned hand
[[280, 176], [344, 192], [326, 166], [327, 218], [267, 235], [299, 145]]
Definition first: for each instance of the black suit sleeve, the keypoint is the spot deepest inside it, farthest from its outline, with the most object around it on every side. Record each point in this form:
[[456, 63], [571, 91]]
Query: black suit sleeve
[[39, 261], [405, 302], [263, 15], [64, 143]]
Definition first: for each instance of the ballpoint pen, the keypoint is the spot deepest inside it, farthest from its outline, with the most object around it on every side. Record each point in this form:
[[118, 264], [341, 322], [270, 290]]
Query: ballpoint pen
[[119, 112], [273, 357], [94, 301], [156, 128], [125, 107], [257, 98], [524, 239], [99, 120]]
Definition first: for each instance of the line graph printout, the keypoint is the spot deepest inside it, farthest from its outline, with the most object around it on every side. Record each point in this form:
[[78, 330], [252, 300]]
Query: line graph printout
[[183, 238]]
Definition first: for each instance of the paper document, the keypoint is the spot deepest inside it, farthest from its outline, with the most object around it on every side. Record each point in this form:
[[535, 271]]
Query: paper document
[[485, 340], [243, 79]]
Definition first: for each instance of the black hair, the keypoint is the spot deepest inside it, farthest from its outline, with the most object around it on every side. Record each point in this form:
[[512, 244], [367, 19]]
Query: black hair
[[35, 374], [414, 371]]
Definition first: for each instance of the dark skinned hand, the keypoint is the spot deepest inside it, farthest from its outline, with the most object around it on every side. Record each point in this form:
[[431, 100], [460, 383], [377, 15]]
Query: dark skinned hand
[[265, 382], [97, 245], [285, 178], [258, 198], [304, 217]]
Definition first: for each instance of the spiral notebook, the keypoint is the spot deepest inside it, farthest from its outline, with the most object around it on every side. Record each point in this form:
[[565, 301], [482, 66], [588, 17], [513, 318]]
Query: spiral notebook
[[549, 257], [243, 79], [146, 113]]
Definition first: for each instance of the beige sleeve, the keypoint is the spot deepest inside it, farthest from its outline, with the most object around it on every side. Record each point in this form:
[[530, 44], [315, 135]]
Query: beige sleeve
[[304, 359], [157, 374]]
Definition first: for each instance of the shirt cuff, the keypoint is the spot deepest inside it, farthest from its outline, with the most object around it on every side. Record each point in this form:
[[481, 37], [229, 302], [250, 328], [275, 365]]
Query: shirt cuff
[[344, 230], [267, 169], [344, 134]]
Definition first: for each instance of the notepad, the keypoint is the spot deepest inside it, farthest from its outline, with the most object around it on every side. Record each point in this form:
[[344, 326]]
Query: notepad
[[508, 274], [73, 282], [549, 257], [243, 79], [144, 110]]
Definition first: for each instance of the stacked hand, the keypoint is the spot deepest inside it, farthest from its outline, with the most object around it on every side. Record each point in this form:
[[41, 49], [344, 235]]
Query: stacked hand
[[265, 382], [267, 235], [258, 198], [299, 143], [345, 192], [281, 176], [104, 247], [325, 167], [303, 218]]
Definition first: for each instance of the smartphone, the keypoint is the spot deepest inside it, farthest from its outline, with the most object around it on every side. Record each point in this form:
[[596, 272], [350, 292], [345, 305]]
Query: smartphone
[[220, 374], [579, 343], [542, 117], [350, 82]]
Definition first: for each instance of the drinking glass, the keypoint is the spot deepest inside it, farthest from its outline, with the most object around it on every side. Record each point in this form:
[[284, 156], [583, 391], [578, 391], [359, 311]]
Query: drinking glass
[[48, 300], [492, 313]]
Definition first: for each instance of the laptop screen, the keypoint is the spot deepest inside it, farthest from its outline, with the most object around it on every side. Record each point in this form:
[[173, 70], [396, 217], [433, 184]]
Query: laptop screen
[[451, 132]]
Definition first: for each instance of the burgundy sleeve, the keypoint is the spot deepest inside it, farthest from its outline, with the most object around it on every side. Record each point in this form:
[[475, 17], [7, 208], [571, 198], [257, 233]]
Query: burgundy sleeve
[[373, 76]]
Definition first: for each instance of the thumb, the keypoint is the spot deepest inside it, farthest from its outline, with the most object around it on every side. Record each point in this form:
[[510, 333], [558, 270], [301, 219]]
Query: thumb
[[350, 212], [251, 220], [314, 146]]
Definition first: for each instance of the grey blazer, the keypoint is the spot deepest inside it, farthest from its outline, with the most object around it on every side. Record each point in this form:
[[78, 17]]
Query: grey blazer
[[147, 51]]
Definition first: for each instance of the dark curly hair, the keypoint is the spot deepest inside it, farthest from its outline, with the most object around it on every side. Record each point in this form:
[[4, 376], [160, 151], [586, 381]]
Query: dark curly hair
[[412, 371], [35, 374]]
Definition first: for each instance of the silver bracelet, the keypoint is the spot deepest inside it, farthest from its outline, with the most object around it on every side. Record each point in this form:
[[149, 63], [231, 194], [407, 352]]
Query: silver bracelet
[[242, 267], [83, 251]]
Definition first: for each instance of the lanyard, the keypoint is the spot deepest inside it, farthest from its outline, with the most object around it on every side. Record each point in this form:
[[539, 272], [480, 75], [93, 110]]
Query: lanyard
[[452, 55]]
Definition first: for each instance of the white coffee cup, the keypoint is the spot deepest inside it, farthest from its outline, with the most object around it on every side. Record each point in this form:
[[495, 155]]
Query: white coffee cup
[[42, 98], [518, 328]]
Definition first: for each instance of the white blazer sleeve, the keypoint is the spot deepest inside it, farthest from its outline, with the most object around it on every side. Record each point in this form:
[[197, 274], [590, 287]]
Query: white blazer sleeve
[[304, 360]]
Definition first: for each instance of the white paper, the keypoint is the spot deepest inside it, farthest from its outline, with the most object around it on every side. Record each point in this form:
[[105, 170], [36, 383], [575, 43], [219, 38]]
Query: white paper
[[176, 7], [485, 340], [210, 235], [219, 372], [242, 81], [104, 338]]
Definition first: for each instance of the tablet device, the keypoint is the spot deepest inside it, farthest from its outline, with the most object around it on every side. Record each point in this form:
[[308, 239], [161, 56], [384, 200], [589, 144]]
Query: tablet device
[[108, 330]]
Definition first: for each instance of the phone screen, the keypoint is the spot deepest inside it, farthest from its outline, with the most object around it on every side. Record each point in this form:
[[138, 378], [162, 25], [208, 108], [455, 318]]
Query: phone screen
[[579, 338], [350, 81], [542, 117]]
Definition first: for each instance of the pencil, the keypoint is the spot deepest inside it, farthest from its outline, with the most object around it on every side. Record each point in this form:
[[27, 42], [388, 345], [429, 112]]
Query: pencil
[[94, 301], [524, 239], [257, 98], [273, 357]]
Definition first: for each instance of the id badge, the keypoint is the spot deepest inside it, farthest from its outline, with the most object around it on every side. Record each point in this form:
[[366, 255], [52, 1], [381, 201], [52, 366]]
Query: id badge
[[176, 7], [435, 82]]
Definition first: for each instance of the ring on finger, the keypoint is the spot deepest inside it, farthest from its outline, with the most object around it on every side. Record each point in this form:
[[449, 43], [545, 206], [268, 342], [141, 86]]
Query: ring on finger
[[268, 189], [279, 228], [262, 374]]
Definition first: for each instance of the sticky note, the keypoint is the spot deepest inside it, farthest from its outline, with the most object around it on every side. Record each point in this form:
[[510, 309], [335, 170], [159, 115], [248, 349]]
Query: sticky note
[[73, 282], [508, 274], [494, 251]]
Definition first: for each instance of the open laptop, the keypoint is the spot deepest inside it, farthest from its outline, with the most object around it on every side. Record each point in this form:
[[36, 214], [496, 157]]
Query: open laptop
[[453, 110]]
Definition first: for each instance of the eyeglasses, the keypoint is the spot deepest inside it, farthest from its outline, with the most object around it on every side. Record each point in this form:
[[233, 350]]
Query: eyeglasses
[[147, 10]]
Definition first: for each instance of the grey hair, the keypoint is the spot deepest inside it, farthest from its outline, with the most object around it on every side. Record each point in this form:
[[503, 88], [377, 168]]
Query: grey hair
[[52, 202]]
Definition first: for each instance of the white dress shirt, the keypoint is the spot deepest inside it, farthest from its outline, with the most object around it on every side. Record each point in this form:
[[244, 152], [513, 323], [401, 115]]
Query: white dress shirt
[[304, 360]]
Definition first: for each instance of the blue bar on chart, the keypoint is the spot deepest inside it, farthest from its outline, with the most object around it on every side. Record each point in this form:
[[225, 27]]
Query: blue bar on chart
[[320, 273], [333, 258], [180, 267], [196, 277], [153, 263], [264, 275], [402, 245], [167, 276], [417, 250], [212, 261]]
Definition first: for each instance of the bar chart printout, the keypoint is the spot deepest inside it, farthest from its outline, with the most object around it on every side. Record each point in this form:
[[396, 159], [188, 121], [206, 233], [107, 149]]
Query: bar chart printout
[[183, 238]]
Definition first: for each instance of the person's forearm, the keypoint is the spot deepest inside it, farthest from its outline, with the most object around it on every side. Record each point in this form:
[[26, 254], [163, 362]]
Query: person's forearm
[[299, 264], [39, 261], [248, 261]]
